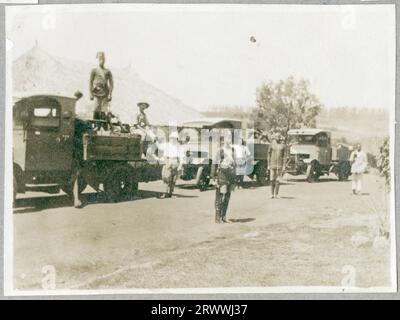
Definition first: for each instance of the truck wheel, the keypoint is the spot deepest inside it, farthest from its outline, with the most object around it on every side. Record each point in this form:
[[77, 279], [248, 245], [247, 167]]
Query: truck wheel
[[202, 179], [313, 172], [204, 183], [69, 188], [15, 189], [262, 174], [120, 183], [344, 169], [135, 187]]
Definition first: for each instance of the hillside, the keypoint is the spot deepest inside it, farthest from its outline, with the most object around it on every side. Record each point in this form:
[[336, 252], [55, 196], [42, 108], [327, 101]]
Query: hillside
[[366, 126], [37, 72]]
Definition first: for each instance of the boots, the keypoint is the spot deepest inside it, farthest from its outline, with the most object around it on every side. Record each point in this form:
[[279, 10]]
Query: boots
[[217, 215], [276, 190], [272, 189]]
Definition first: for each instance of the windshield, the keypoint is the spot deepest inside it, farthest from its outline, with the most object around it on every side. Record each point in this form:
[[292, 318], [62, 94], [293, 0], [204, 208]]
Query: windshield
[[302, 139], [44, 112]]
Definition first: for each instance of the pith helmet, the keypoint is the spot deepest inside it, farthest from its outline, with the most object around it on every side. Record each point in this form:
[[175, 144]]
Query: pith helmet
[[143, 105]]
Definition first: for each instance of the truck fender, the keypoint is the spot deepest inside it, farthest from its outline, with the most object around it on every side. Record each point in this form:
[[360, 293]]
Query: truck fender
[[199, 175], [18, 175], [313, 171]]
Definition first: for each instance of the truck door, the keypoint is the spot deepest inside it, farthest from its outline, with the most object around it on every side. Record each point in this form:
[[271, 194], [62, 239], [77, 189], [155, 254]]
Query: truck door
[[19, 136], [49, 137]]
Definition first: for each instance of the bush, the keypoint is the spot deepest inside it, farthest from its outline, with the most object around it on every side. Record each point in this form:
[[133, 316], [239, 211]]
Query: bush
[[384, 161]]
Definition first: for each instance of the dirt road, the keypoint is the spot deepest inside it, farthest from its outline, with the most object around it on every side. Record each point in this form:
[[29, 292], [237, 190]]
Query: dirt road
[[304, 239]]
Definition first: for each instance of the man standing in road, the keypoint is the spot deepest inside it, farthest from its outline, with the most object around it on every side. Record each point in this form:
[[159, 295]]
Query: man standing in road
[[173, 159], [101, 88], [276, 163], [358, 160], [223, 171]]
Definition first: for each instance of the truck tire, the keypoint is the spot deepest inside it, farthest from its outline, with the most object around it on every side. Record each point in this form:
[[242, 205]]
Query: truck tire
[[135, 187], [15, 189], [262, 173], [120, 183], [202, 179], [313, 172], [69, 188], [343, 170]]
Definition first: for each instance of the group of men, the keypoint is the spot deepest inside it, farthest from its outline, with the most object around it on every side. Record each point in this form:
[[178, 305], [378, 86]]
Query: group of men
[[223, 171]]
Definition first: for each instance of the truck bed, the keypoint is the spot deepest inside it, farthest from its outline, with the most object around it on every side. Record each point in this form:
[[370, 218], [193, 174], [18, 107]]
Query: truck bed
[[120, 147], [261, 151]]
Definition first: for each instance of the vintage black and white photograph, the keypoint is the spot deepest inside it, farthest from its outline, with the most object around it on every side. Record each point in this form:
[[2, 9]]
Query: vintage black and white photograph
[[199, 148]]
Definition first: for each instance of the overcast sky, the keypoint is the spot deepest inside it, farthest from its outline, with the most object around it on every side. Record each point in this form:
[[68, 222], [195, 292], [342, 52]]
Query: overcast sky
[[203, 55]]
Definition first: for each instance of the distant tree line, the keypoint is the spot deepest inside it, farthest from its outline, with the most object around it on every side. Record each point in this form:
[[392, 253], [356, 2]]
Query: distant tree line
[[347, 112]]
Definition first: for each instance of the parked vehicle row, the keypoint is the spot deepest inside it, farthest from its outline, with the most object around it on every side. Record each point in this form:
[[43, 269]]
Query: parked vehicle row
[[54, 150]]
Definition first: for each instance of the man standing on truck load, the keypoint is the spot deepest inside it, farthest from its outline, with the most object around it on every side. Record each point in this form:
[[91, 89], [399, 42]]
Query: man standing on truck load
[[101, 87], [223, 171], [358, 160], [173, 162], [276, 163]]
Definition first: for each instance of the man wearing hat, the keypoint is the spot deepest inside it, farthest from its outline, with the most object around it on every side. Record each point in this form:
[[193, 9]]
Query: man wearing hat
[[173, 159], [142, 127], [276, 162], [223, 172], [141, 118], [101, 88], [359, 163]]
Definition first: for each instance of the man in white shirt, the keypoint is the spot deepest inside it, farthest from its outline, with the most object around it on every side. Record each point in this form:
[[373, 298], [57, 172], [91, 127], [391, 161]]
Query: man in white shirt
[[358, 160], [173, 159]]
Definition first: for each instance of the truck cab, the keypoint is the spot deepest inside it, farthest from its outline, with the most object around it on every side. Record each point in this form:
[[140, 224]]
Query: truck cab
[[254, 151], [43, 133], [310, 152]]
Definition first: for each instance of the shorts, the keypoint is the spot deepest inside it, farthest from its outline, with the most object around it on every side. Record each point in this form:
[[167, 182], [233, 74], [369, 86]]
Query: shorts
[[169, 172], [102, 104]]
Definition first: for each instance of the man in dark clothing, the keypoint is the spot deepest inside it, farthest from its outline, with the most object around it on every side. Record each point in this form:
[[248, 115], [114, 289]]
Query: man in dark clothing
[[276, 163], [223, 172], [101, 87]]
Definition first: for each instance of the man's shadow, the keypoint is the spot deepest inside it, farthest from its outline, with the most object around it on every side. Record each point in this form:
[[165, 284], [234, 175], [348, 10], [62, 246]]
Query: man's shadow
[[244, 220], [320, 180], [139, 195], [37, 204]]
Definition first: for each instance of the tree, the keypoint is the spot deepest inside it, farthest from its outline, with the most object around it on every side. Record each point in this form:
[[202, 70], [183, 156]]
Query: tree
[[285, 105]]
